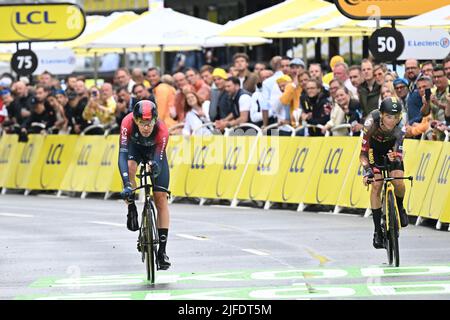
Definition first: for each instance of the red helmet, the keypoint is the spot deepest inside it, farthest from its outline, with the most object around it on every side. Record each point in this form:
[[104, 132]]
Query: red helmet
[[145, 111]]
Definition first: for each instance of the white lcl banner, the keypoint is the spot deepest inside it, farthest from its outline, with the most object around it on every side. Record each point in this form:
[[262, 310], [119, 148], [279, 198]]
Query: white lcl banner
[[425, 44], [57, 61]]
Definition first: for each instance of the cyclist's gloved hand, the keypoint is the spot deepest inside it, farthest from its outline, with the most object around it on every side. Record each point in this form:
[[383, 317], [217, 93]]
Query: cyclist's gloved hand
[[155, 169], [368, 172], [127, 192]]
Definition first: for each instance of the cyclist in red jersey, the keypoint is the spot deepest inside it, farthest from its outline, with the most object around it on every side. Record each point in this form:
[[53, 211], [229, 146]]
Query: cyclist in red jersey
[[143, 138], [384, 131]]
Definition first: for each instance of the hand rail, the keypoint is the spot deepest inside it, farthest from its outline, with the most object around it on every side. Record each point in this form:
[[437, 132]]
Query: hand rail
[[177, 126], [205, 125], [92, 126], [243, 125]]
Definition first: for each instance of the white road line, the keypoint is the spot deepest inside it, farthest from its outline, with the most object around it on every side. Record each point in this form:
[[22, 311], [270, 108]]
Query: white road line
[[257, 252], [108, 223], [17, 215], [186, 236]]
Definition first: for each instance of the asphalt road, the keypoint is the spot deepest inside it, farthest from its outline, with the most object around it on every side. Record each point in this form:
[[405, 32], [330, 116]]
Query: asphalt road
[[68, 248]]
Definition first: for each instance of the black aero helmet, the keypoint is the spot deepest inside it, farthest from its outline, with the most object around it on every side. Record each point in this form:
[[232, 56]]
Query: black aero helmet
[[145, 110], [391, 105]]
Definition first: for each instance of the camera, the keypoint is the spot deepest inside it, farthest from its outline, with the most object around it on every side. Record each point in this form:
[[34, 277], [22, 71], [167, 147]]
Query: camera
[[428, 94], [71, 95], [120, 100]]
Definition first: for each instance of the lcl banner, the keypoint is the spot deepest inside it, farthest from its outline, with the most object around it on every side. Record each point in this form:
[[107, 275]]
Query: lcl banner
[[41, 22]]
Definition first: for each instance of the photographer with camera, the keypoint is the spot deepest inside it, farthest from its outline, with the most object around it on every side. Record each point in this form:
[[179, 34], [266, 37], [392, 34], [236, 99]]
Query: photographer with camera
[[416, 129], [125, 103], [42, 116], [101, 107], [77, 101]]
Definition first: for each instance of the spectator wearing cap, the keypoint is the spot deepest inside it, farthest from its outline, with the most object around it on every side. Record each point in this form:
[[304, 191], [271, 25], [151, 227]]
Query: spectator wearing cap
[[401, 89], [247, 79], [284, 108], [329, 76], [220, 106], [296, 67], [290, 96]]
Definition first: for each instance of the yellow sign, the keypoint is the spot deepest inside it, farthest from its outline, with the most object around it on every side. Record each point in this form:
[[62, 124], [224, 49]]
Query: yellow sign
[[41, 22], [10, 151], [331, 170], [386, 9], [426, 158], [296, 170], [436, 202]]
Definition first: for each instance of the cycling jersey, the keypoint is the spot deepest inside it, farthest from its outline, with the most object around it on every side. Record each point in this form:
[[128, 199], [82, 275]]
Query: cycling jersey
[[376, 142], [134, 146]]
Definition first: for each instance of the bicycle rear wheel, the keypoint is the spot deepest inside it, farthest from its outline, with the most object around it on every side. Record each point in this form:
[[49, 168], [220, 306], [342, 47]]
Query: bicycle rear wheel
[[148, 248], [393, 229]]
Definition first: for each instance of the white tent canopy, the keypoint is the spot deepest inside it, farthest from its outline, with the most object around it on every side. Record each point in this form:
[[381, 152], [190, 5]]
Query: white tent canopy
[[166, 27]]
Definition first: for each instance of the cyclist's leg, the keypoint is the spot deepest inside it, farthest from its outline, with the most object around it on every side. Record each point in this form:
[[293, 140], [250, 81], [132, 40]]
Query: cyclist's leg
[[162, 206], [399, 186], [133, 160]]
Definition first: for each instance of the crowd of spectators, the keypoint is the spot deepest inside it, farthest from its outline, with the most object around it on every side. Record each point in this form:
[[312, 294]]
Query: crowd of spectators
[[285, 94]]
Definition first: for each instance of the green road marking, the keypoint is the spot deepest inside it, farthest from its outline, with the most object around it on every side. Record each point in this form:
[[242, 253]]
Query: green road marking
[[238, 276], [295, 291]]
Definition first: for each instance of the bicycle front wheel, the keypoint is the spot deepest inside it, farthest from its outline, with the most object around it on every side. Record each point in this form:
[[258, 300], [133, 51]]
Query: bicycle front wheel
[[393, 229], [149, 251]]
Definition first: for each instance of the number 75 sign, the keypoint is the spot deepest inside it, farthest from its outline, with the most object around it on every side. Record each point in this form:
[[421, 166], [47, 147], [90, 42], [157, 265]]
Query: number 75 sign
[[24, 62], [386, 44]]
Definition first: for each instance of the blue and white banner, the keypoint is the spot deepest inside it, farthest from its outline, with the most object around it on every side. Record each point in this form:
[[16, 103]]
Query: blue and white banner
[[425, 44], [58, 61]]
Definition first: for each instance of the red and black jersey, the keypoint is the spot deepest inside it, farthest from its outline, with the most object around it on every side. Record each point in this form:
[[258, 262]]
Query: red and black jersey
[[129, 134]]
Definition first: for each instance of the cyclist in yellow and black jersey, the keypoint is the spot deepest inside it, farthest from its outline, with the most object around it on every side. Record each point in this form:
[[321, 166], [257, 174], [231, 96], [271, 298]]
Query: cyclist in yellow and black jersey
[[384, 131]]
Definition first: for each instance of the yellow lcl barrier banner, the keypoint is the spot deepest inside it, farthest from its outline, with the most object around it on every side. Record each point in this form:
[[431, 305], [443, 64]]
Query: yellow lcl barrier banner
[[41, 22], [263, 167], [423, 164], [84, 165], [331, 169], [296, 170], [279, 169], [439, 188]]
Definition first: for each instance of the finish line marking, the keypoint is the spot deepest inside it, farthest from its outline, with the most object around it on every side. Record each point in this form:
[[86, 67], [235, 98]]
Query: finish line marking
[[108, 223], [17, 215], [257, 252]]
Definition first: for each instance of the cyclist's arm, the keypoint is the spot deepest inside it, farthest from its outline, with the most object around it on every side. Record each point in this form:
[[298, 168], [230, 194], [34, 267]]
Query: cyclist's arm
[[125, 133], [365, 144], [161, 139], [398, 147]]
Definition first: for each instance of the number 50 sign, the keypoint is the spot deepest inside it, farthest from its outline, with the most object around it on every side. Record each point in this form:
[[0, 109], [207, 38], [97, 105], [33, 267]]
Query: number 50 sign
[[24, 62], [386, 44]]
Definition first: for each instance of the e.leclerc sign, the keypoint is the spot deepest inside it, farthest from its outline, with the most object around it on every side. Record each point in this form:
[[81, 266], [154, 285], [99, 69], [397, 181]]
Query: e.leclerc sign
[[387, 9], [41, 22]]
